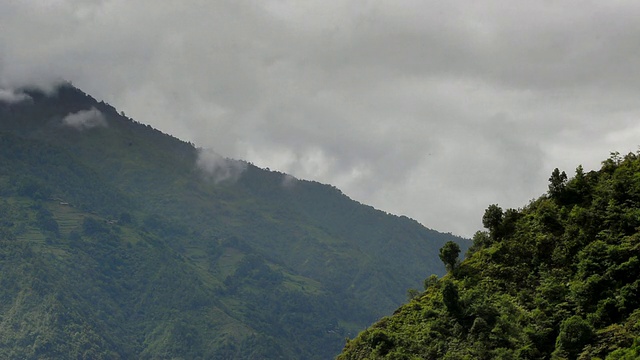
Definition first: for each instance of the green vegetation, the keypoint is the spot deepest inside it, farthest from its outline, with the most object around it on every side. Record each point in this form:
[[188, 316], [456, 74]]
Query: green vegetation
[[558, 279], [114, 244]]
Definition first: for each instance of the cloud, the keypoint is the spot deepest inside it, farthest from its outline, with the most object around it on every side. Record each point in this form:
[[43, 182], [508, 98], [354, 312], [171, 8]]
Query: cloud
[[85, 119], [429, 109], [12, 97], [217, 168], [289, 181]]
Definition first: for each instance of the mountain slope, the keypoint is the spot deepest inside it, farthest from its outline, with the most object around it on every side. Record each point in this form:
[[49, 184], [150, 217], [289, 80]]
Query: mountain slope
[[141, 245], [558, 279]]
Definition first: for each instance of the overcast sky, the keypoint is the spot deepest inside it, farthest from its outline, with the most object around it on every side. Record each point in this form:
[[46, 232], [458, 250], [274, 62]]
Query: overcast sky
[[430, 109]]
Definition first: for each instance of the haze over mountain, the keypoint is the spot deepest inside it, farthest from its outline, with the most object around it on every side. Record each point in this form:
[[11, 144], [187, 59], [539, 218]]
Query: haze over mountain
[[397, 103], [119, 241]]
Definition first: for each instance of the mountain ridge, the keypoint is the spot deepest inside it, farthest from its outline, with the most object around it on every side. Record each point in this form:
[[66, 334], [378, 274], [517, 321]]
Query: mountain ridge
[[251, 266]]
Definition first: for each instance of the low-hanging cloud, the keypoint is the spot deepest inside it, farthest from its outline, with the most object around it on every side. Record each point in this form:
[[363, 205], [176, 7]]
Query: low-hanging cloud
[[217, 168], [12, 97], [289, 181], [85, 119]]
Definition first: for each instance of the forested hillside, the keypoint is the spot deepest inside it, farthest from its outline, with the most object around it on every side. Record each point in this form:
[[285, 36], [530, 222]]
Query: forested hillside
[[118, 241], [557, 279]]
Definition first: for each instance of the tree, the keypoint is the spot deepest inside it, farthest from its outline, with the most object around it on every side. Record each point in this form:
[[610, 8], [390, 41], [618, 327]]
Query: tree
[[481, 240], [430, 281], [492, 220], [125, 218], [91, 226], [449, 254], [557, 183], [450, 297], [412, 294], [575, 333], [631, 353]]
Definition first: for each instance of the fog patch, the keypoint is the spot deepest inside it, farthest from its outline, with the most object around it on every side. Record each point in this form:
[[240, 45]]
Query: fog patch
[[218, 168], [85, 119], [288, 181], [12, 97]]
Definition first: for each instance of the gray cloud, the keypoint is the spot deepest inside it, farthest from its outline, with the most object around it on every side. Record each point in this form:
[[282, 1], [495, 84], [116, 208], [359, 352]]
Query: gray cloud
[[426, 108], [85, 119]]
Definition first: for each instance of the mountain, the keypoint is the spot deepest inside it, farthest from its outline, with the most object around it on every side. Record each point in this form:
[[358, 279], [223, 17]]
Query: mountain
[[557, 279], [118, 241]]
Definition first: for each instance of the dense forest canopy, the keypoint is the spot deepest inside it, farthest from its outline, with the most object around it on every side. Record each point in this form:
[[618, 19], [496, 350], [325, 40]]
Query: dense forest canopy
[[557, 279]]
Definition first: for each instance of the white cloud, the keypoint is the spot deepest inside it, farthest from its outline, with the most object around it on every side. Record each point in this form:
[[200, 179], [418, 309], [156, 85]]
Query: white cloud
[[12, 97], [85, 119], [218, 168]]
